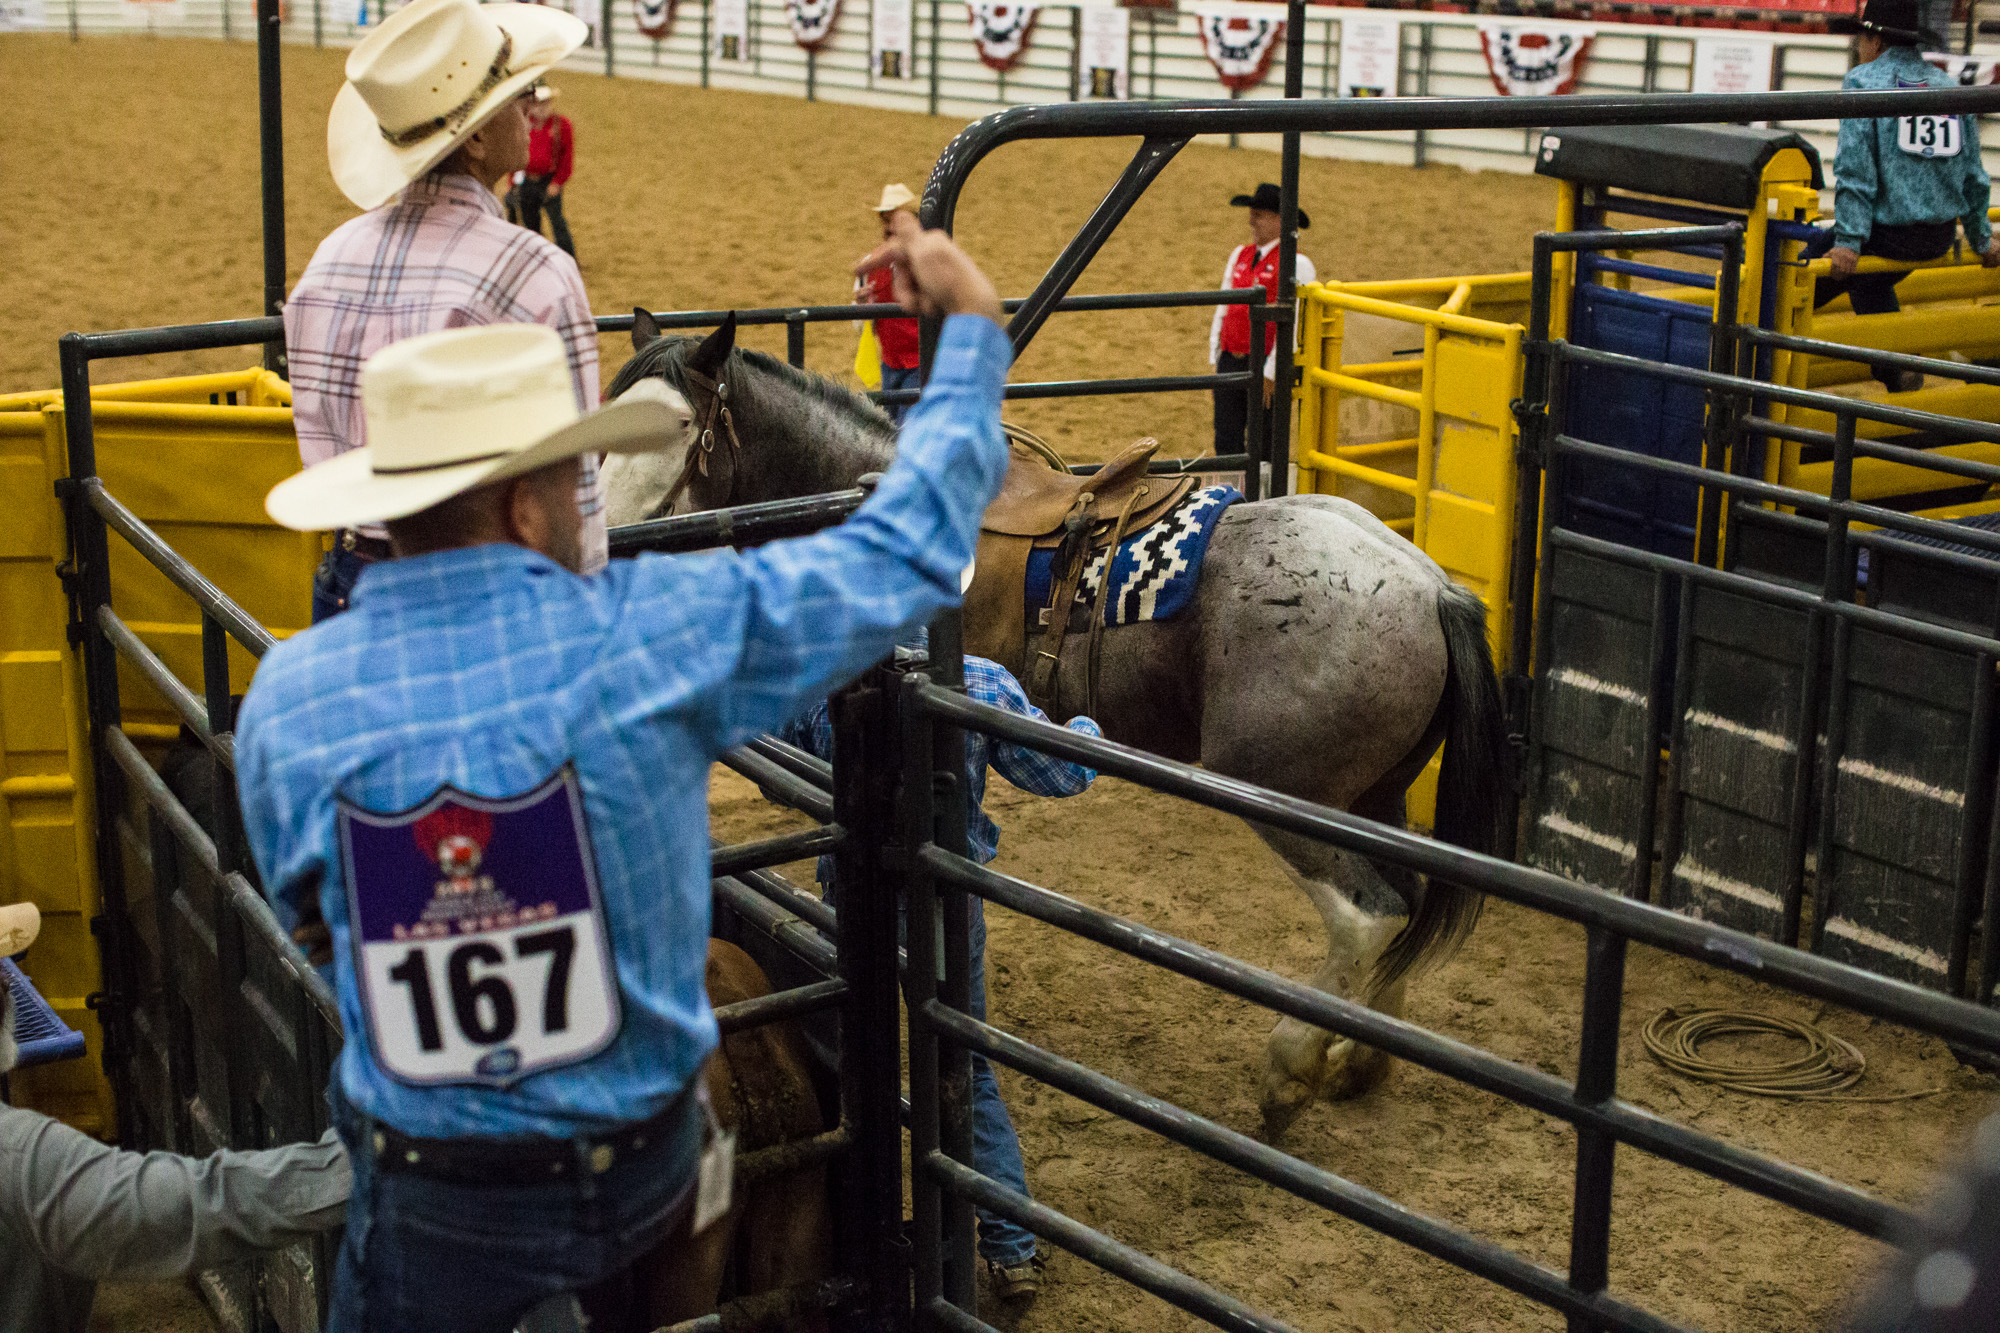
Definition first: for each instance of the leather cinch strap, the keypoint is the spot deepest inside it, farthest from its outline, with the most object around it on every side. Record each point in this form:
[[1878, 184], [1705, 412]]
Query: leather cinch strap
[[1071, 559]]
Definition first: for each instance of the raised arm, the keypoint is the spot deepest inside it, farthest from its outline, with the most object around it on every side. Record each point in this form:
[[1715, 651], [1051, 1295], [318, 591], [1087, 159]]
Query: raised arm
[[783, 624]]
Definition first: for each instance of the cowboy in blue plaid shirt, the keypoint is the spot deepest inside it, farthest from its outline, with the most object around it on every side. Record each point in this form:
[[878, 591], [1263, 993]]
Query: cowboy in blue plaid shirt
[[1008, 1248], [485, 788]]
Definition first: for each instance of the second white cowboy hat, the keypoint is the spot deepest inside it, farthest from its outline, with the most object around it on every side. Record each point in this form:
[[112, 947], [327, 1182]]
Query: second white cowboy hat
[[457, 409], [895, 197], [419, 85]]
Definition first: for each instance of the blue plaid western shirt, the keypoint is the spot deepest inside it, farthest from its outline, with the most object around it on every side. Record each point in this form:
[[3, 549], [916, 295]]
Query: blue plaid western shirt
[[489, 668], [1030, 770]]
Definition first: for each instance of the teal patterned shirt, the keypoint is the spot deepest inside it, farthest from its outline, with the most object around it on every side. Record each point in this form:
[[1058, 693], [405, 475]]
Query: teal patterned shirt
[[1883, 177]]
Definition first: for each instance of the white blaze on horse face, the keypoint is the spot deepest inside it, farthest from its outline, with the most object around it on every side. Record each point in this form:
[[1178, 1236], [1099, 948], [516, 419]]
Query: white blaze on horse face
[[635, 485]]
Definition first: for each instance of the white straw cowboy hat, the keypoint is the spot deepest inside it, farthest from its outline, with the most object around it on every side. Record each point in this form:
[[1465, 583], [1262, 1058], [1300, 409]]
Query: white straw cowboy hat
[[453, 410], [419, 85], [895, 197]]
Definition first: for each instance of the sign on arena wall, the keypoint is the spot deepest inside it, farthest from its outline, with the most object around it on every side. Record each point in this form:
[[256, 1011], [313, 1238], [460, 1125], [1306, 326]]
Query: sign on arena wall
[[1239, 45], [22, 15], [151, 12], [811, 20], [1534, 60], [730, 39], [655, 18], [1371, 57], [1967, 71], [1000, 31], [1104, 52], [890, 48], [1731, 65]]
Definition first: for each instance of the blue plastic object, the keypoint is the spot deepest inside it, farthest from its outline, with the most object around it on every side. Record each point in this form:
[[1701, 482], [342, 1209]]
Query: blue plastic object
[[42, 1037]]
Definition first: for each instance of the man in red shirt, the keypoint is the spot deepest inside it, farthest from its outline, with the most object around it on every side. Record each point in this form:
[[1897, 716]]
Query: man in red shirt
[[1252, 265], [551, 155], [896, 338]]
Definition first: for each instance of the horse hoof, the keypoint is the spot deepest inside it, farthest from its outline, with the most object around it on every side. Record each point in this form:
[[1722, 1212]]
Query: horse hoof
[[1354, 1070], [1280, 1111]]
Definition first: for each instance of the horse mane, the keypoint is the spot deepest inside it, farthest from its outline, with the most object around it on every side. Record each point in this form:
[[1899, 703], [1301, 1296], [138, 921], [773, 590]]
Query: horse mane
[[658, 358]]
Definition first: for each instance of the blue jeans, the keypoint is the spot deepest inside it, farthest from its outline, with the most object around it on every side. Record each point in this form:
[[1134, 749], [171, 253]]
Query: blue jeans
[[996, 1148], [333, 581], [430, 1256], [898, 379]]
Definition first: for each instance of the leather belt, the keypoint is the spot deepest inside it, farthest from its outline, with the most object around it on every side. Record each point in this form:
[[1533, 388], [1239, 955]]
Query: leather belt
[[530, 1161], [370, 549]]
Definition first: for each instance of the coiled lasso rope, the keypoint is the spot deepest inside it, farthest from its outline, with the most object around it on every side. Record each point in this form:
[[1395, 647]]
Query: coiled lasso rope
[[1827, 1068]]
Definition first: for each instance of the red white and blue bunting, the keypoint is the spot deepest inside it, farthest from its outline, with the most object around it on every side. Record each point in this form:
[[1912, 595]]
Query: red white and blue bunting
[[654, 17], [812, 20], [1000, 31], [1967, 71], [1534, 60], [1240, 46]]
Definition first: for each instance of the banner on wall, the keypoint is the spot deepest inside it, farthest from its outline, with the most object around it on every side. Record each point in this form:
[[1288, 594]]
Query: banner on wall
[[730, 38], [812, 20], [654, 17], [1239, 45], [1104, 52], [1000, 31], [150, 12], [1532, 59], [1371, 56], [1967, 71], [889, 41], [22, 15], [1731, 65]]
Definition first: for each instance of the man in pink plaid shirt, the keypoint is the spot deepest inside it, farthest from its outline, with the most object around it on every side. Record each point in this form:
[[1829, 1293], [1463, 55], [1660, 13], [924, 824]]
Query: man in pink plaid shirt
[[434, 251]]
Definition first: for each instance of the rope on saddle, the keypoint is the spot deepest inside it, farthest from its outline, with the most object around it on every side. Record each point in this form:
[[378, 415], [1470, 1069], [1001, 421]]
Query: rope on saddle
[[1824, 1071], [1034, 444]]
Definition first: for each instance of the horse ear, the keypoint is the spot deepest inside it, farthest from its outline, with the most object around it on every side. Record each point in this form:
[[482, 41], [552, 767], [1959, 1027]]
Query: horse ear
[[645, 328], [715, 349]]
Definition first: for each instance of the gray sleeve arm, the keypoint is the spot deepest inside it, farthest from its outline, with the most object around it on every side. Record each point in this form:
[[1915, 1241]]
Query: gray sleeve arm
[[97, 1212]]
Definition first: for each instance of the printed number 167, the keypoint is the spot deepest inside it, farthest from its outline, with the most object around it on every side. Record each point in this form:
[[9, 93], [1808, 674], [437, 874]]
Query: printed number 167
[[484, 1005]]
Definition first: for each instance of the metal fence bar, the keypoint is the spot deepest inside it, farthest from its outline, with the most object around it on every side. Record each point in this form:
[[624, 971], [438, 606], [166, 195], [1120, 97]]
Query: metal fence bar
[[781, 850], [1930, 365], [1893, 453], [1314, 1184], [183, 575], [1141, 1270], [1804, 1190], [780, 1006], [1927, 1011], [779, 784]]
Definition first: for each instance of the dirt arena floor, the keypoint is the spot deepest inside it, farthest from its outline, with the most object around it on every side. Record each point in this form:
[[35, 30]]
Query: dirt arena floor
[[134, 201]]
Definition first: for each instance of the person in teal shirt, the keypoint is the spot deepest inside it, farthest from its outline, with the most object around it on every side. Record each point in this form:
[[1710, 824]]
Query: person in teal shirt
[[1904, 184]]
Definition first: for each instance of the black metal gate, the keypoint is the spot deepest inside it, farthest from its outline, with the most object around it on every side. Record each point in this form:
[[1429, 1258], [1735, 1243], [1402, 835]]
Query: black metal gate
[[1824, 696]]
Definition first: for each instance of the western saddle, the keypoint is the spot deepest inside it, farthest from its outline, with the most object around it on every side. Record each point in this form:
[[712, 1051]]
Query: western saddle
[[1040, 507]]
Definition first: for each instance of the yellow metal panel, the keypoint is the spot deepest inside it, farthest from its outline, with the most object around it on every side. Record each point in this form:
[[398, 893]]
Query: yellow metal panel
[[1473, 460], [1461, 539], [45, 852], [24, 485], [31, 701], [1468, 374]]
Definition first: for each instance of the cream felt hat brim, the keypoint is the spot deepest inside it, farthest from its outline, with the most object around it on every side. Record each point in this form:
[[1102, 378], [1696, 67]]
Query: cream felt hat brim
[[450, 411], [369, 169], [895, 197]]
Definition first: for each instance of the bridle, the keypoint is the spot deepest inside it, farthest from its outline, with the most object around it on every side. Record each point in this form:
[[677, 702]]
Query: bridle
[[713, 414]]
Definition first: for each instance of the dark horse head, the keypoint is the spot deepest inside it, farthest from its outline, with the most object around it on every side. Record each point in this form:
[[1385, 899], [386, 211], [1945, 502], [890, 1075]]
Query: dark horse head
[[763, 430]]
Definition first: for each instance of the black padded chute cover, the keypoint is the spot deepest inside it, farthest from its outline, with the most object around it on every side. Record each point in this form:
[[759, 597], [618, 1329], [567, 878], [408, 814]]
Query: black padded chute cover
[[1721, 165]]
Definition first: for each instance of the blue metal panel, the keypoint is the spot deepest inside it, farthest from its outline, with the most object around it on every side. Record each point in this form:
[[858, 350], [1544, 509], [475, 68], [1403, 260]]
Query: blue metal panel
[[1637, 413]]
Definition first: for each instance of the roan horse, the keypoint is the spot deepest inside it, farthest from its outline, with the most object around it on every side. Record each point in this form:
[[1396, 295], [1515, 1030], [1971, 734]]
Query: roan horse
[[1323, 656]]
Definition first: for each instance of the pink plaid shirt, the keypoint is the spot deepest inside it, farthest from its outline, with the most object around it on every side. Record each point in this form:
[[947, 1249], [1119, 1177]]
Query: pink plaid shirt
[[441, 256]]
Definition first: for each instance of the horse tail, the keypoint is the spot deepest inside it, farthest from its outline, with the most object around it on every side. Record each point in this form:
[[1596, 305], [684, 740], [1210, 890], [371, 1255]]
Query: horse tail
[[1471, 788]]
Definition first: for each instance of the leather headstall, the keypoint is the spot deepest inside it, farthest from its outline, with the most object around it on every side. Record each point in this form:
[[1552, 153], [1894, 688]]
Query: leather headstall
[[712, 415]]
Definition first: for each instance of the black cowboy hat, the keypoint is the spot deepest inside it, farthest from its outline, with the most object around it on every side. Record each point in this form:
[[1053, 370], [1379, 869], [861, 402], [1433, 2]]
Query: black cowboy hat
[[1266, 198], [1894, 21]]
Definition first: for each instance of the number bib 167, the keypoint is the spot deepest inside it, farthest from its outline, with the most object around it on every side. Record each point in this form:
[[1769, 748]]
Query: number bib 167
[[1929, 136], [479, 935]]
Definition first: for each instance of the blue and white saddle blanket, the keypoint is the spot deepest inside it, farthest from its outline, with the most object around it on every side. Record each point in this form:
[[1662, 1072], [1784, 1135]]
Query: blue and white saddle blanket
[[1152, 573]]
